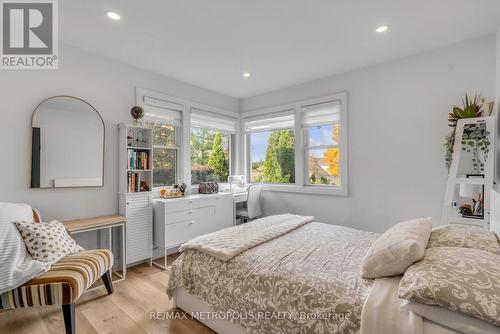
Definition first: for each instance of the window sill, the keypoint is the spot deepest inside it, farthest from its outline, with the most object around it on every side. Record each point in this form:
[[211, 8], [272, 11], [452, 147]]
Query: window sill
[[316, 190]]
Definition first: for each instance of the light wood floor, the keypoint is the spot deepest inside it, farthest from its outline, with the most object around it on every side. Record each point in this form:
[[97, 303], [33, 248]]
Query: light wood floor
[[127, 311]]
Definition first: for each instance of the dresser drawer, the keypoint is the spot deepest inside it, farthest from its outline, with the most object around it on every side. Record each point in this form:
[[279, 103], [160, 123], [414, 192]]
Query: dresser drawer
[[178, 233], [196, 213], [187, 204]]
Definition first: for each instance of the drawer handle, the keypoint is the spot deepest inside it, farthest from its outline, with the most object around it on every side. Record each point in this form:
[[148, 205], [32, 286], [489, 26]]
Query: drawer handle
[[190, 212], [190, 202], [191, 222]]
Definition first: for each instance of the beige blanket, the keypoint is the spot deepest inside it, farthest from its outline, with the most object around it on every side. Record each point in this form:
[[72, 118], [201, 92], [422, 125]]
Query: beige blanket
[[305, 281], [227, 243]]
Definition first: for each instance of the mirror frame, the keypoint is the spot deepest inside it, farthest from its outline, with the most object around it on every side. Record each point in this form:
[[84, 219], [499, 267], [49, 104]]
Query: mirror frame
[[103, 142]]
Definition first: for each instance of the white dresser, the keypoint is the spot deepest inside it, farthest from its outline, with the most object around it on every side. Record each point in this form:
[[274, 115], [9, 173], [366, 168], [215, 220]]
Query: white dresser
[[178, 220]]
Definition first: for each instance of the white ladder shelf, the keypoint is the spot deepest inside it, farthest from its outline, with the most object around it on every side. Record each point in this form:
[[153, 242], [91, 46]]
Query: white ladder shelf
[[462, 165]]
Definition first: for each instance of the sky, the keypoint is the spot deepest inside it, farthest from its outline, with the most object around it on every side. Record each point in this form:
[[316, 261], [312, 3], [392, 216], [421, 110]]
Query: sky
[[320, 135]]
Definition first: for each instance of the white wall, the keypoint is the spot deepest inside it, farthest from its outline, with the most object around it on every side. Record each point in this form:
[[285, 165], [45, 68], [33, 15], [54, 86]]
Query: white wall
[[397, 120], [107, 85]]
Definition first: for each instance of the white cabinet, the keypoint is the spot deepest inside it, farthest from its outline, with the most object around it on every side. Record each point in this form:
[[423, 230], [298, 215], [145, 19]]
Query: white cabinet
[[178, 220], [137, 209], [135, 180]]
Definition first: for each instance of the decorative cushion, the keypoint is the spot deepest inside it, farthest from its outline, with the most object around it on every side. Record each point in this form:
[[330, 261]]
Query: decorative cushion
[[457, 235], [396, 249], [459, 279], [47, 242], [64, 283]]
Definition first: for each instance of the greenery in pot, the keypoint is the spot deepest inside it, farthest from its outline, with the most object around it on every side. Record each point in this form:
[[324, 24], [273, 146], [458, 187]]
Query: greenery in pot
[[476, 107]]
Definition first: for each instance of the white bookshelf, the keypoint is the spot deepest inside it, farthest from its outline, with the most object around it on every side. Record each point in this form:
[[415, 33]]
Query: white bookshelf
[[136, 158]]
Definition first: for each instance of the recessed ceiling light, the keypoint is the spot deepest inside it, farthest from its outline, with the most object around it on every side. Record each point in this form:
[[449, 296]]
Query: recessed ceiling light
[[247, 75], [382, 29], [113, 15]]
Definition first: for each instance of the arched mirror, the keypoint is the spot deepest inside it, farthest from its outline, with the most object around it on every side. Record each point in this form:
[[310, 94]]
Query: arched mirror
[[67, 144]]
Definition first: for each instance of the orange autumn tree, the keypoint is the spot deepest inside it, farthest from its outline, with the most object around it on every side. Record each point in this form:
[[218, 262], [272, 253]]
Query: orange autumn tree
[[332, 157]]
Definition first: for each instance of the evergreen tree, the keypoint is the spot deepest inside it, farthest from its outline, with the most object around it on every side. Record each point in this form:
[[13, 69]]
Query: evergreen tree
[[217, 159], [279, 163]]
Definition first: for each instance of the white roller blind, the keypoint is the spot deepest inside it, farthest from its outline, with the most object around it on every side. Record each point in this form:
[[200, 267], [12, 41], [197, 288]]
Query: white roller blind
[[324, 113], [212, 121], [165, 111], [275, 121]]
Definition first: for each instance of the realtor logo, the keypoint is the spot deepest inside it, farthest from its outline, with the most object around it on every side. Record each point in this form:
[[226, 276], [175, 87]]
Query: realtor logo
[[29, 34]]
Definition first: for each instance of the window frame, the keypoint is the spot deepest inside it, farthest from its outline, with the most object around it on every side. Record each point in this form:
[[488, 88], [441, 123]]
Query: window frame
[[231, 138], [301, 166], [248, 137], [176, 148]]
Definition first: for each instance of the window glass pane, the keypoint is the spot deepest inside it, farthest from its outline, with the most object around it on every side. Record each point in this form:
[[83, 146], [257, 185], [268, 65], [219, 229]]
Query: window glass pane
[[273, 156], [164, 166], [209, 155], [326, 134], [163, 134], [324, 166]]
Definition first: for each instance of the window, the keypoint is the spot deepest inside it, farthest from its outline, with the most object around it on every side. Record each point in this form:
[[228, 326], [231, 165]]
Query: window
[[165, 153], [321, 124], [272, 148], [209, 155], [211, 140], [300, 146], [164, 118]]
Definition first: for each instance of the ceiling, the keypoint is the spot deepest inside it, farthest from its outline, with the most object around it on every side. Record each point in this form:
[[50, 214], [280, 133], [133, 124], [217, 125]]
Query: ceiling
[[210, 43]]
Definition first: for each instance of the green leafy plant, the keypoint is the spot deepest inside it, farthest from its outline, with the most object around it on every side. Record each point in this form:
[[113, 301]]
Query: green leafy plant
[[475, 139], [471, 107]]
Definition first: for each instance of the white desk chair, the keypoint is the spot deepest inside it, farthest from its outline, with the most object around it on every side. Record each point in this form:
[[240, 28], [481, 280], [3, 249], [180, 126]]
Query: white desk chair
[[253, 209]]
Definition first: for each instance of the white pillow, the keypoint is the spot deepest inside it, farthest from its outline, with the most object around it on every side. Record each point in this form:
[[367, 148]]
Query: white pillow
[[397, 249], [454, 320], [17, 266], [47, 242]]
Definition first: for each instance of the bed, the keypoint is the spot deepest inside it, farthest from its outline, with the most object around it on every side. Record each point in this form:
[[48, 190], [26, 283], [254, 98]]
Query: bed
[[303, 280]]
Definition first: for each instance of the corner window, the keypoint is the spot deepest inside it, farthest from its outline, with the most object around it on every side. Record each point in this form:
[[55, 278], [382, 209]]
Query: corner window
[[212, 140], [272, 148], [210, 158]]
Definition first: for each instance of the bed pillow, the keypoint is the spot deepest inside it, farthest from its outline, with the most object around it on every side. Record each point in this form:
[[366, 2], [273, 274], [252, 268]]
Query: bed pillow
[[47, 242], [16, 265], [455, 320], [397, 249], [466, 236], [459, 279]]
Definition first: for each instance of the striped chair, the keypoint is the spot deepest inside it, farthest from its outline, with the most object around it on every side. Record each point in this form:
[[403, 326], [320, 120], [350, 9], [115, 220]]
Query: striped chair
[[63, 284]]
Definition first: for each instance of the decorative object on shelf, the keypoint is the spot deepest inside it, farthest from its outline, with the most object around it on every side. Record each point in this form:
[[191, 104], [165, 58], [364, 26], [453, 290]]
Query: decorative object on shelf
[[208, 187], [476, 193], [130, 137], [476, 107], [171, 193], [182, 188], [144, 186], [137, 113]]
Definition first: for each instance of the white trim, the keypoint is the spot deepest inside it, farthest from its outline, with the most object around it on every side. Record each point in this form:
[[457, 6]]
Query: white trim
[[306, 189]]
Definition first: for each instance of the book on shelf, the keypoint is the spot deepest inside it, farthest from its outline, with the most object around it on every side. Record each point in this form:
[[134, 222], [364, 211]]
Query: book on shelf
[[138, 159], [134, 182]]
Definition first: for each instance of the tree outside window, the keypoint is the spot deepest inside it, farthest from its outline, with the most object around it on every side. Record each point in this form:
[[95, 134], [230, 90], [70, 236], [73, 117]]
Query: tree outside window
[[273, 156], [209, 155]]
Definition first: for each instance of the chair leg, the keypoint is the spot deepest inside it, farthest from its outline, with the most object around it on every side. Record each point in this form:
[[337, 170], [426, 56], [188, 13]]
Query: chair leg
[[108, 283], [69, 318]]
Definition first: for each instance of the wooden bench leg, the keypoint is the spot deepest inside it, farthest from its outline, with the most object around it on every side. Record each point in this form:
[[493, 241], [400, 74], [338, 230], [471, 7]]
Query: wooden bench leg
[[69, 318], [108, 283]]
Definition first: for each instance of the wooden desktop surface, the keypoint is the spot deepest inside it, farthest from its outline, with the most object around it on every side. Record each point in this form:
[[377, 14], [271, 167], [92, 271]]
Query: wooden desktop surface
[[86, 223]]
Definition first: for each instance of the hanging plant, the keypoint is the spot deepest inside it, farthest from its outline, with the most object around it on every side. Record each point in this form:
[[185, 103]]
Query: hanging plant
[[476, 140], [475, 107]]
